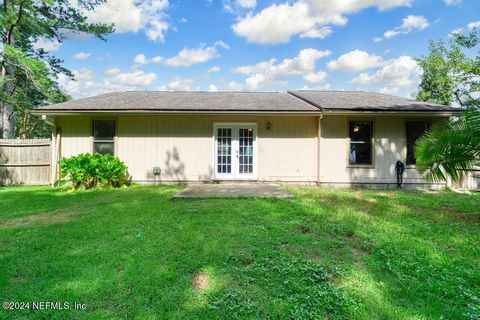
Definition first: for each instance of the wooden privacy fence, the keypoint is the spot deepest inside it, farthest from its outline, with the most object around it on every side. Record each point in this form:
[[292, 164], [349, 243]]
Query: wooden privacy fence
[[25, 161]]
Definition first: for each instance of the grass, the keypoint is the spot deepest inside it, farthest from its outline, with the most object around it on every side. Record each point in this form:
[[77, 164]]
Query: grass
[[333, 254]]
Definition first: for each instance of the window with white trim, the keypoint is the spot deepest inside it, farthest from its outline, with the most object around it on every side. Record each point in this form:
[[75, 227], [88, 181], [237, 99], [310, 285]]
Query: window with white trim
[[104, 136]]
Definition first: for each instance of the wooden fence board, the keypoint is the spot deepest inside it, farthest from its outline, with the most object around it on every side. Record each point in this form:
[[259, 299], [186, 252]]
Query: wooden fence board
[[25, 161]]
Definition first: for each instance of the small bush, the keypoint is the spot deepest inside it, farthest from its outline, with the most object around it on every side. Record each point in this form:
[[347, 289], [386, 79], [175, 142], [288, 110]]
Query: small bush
[[88, 171]]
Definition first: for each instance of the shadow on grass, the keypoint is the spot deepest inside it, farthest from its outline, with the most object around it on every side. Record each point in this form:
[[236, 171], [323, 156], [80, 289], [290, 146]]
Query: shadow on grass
[[134, 253]]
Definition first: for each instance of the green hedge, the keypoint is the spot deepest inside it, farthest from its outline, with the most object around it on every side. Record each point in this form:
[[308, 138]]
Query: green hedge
[[87, 171]]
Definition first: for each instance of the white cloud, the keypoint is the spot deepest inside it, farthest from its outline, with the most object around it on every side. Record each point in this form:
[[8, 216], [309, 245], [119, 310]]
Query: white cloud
[[214, 69], [315, 77], [473, 25], [299, 65], [401, 72], [279, 22], [212, 88], [133, 16], [233, 6], [455, 32], [410, 23], [140, 59], [82, 55], [354, 61], [84, 80], [187, 57], [85, 83], [326, 86], [389, 90], [377, 39], [452, 2], [319, 33], [247, 4], [47, 45], [131, 79], [255, 82], [178, 84], [84, 74], [157, 59], [265, 73]]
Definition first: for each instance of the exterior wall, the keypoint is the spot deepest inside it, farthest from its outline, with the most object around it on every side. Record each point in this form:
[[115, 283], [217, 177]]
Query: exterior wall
[[389, 135], [182, 145]]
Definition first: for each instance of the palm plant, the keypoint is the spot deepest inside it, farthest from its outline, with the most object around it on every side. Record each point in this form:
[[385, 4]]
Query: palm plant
[[450, 148]]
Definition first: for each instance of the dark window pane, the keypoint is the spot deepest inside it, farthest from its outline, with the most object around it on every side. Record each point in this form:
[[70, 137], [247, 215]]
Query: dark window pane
[[103, 148], [360, 131], [360, 153], [415, 130], [103, 129]]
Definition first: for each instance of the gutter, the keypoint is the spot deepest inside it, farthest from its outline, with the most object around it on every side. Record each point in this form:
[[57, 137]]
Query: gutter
[[41, 112], [345, 111]]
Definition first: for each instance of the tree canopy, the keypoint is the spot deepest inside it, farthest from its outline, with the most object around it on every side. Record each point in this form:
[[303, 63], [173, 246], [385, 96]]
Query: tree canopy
[[451, 74], [29, 74]]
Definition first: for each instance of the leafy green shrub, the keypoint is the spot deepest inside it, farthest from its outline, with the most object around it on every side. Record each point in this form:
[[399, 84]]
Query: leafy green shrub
[[93, 171]]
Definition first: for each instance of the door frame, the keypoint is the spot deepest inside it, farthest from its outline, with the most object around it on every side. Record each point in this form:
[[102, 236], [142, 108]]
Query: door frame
[[235, 126]]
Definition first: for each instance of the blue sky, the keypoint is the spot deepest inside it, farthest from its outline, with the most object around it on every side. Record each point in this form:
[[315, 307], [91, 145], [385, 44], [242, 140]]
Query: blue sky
[[258, 45]]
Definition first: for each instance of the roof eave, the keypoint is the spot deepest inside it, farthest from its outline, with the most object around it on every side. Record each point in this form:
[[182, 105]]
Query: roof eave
[[437, 113], [170, 112]]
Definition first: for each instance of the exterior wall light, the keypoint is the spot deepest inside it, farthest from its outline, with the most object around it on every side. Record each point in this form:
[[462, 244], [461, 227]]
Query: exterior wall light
[[269, 125]]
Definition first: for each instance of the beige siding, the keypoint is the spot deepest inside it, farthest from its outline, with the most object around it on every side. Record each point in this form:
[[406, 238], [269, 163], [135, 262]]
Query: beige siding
[[389, 146], [183, 145], [76, 133]]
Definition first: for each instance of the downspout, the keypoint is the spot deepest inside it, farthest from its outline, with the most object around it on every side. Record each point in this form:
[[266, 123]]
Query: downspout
[[319, 140], [319, 128]]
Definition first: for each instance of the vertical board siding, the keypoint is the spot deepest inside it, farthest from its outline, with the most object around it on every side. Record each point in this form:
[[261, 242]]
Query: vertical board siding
[[182, 145], [389, 146], [75, 135], [25, 161]]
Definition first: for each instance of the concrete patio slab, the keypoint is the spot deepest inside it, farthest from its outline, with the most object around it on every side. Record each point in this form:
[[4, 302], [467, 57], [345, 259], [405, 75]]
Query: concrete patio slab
[[256, 190]]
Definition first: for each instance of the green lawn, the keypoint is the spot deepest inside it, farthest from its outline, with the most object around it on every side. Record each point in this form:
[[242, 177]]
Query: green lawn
[[333, 254]]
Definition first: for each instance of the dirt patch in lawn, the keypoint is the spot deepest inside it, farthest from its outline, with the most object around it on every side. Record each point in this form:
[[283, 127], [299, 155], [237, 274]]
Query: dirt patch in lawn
[[313, 255], [302, 229], [359, 252], [473, 218], [200, 281], [60, 216]]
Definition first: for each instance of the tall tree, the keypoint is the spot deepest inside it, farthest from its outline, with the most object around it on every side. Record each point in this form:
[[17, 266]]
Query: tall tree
[[451, 74], [29, 74]]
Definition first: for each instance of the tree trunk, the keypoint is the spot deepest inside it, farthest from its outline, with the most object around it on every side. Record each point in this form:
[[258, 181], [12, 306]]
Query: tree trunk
[[7, 111], [8, 122]]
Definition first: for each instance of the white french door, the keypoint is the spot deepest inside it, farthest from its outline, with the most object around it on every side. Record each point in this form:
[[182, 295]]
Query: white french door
[[235, 151]]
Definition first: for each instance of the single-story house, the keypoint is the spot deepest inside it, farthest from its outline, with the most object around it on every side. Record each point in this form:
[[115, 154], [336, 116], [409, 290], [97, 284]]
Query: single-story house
[[339, 138]]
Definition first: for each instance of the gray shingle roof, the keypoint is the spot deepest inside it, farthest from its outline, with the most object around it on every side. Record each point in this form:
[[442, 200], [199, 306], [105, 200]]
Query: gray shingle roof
[[200, 101], [186, 101], [337, 101]]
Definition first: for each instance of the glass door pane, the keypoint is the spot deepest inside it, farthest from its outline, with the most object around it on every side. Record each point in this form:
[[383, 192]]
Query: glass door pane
[[245, 150], [224, 150]]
